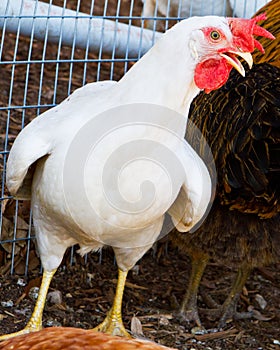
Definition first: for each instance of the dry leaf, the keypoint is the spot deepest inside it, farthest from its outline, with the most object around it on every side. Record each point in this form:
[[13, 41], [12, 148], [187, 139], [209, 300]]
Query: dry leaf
[[8, 234], [261, 301], [2, 317], [136, 326]]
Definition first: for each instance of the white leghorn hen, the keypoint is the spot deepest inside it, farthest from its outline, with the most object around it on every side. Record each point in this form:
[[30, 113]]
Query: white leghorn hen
[[246, 8], [187, 8], [84, 163], [183, 8]]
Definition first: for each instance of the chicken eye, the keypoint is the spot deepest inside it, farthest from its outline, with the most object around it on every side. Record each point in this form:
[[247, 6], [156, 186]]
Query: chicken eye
[[215, 35]]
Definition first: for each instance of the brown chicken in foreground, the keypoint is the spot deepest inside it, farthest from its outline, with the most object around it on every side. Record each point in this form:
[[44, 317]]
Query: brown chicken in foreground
[[62, 338], [241, 124]]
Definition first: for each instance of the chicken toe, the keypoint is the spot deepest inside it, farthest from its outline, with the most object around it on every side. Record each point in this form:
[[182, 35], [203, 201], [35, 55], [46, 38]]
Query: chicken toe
[[35, 322], [113, 323], [188, 310]]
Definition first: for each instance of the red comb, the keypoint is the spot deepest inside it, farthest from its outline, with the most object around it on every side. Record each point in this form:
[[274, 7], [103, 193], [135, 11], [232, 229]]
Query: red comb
[[243, 31]]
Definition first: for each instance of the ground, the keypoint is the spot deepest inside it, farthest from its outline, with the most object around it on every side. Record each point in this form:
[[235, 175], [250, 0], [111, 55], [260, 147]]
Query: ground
[[157, 284], [153, 289]]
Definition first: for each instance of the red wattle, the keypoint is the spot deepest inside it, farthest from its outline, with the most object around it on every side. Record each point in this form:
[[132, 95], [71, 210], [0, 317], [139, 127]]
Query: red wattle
[[211, 74]]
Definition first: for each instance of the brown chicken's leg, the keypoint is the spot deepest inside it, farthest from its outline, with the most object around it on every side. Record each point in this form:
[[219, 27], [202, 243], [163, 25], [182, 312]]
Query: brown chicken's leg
[[113, 323], [188, 310], [35, 322], [228, 309]]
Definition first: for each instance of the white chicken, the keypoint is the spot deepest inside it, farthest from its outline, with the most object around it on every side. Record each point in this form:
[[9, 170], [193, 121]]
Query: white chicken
[[99, 167], [187, 8], [182, 9], [246, 8]]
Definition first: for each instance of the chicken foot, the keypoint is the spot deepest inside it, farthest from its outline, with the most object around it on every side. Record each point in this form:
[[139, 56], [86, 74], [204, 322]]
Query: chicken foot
[[35, 322], [228, 310], [113, 323], [188, 310]]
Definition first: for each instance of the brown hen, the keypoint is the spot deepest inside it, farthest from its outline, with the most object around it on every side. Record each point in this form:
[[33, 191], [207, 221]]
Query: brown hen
[[62, 338], [241, 124]]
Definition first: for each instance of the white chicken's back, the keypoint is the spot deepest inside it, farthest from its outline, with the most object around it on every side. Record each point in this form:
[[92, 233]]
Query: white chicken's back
[[246, 9], [188, 8]]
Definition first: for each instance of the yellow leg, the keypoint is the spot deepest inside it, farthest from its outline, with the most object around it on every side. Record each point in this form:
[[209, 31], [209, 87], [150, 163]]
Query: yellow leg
[[113, 323], [35, 322], [188, 310], [230, 304]]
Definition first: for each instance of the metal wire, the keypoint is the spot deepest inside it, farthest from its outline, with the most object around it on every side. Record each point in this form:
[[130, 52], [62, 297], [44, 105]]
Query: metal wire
[[36, 61]]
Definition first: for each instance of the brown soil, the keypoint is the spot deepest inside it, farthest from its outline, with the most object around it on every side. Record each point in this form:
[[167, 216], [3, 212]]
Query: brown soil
[[153, 290]]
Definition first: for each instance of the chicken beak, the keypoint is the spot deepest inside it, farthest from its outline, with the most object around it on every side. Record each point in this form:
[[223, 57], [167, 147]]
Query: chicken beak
[[231, 58]]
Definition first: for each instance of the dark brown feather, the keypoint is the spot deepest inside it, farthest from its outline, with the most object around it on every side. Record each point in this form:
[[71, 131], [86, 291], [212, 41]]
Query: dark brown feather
[[245, 145], [241, 123]]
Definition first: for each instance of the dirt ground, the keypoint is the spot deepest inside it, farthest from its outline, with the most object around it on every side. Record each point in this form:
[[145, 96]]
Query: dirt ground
[[157, 284], [154, 288]]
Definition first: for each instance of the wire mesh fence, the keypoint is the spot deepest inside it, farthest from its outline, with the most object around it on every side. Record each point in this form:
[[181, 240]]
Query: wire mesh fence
[[50, 48]]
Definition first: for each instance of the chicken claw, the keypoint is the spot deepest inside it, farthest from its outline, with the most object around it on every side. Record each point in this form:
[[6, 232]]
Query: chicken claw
[[35, 322], [113, 323], [188, 310]]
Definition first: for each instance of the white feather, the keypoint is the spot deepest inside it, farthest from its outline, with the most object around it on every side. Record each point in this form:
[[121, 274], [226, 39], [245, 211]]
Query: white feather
[[68, 198]]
